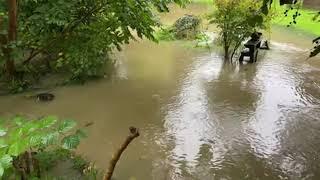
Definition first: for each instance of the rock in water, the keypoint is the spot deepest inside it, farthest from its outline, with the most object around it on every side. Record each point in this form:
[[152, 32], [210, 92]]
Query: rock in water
[[44, 97], [187, 27]]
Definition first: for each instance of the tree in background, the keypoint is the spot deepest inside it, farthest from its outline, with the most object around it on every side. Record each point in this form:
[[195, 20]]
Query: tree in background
[[236, 20], [74, 36], [9, 37]]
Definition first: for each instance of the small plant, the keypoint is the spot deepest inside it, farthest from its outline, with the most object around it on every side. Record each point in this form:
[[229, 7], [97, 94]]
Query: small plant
[[165, 34], [22, 139], [203, 40]]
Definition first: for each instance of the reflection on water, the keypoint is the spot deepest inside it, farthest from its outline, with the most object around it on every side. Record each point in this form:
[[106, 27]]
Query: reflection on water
[[200, 118], [189, 122]]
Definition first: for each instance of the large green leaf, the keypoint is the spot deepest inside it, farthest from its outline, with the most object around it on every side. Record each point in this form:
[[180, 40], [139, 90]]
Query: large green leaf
[[71, 142], [30, 127], [35, 139], [17, 147], [50, 139], [16, 135], [1, 170], [3, 131], [18, 120], [3, 144], [66, 125], [6, 161], [47, 122]]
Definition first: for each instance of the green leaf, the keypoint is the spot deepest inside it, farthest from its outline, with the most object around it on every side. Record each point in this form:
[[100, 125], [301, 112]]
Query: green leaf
[[5, 161], [30, 127], [3, 132], [1, 170], [16, 134], [3, 144], [51, 138], [18, 147], [18, 120], [35, 140], [66, 126], [48, 121], [70, 142]]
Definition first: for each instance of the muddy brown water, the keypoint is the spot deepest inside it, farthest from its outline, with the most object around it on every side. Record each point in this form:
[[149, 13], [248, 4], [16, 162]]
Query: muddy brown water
[[199, 118]]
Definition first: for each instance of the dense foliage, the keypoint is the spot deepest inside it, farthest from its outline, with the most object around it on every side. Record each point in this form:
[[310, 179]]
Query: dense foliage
[[21, 139], [187, 27], [75, 36]]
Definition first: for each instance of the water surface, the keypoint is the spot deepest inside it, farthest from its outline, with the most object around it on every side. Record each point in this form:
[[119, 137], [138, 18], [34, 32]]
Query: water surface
[[199, 117]]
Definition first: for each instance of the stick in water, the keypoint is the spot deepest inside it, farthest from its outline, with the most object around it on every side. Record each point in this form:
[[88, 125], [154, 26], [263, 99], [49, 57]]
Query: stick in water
[[134, 132]]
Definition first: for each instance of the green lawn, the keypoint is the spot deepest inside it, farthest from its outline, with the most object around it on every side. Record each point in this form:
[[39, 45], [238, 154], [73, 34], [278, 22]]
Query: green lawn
[[304, 22]]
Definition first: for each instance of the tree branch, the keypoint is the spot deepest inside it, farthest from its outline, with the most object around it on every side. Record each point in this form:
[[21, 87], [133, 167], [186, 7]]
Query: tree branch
[[69, 28], [134, 133]]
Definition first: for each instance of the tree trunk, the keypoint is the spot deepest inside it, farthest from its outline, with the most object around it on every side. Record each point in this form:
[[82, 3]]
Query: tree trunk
[[226, 53], [226, 46], [12, 35]]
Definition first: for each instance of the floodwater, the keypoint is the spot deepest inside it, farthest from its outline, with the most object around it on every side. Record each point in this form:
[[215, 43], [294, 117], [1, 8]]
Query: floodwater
[[200, 119]]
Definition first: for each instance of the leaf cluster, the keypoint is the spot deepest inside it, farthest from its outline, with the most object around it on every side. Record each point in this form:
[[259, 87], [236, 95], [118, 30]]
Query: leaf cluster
[[77, 36], [237, 20], [20, 134]]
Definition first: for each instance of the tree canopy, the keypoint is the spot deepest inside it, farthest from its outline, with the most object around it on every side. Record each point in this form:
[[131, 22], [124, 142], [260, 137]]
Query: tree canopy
[[76, 35]]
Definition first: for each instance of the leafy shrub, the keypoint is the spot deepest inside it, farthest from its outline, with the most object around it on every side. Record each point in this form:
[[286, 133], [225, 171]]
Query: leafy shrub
[[78, 35], [236, 20], [187, 27], [165, 34], [20, 138]]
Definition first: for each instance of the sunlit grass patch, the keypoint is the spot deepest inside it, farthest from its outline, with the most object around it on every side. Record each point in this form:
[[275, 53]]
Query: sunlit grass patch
[[303, 22]]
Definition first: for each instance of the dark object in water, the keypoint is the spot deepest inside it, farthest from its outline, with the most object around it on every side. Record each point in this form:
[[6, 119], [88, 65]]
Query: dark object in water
[[88, 124], [252, 47], [45, 97]]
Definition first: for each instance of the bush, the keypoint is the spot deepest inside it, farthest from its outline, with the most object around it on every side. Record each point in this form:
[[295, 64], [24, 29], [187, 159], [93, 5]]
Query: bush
[[165, 34], [23, 139], [187, 27], [84, 32]]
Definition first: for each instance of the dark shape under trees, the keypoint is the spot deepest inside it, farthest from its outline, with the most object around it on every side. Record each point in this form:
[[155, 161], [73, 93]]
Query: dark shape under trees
[[44, 97]]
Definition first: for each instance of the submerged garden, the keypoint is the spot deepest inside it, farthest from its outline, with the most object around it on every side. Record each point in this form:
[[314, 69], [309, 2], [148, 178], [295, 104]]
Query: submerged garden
[[221, 89]]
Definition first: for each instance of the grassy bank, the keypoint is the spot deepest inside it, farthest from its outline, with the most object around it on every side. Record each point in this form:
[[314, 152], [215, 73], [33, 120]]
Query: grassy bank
[[304, 22]]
